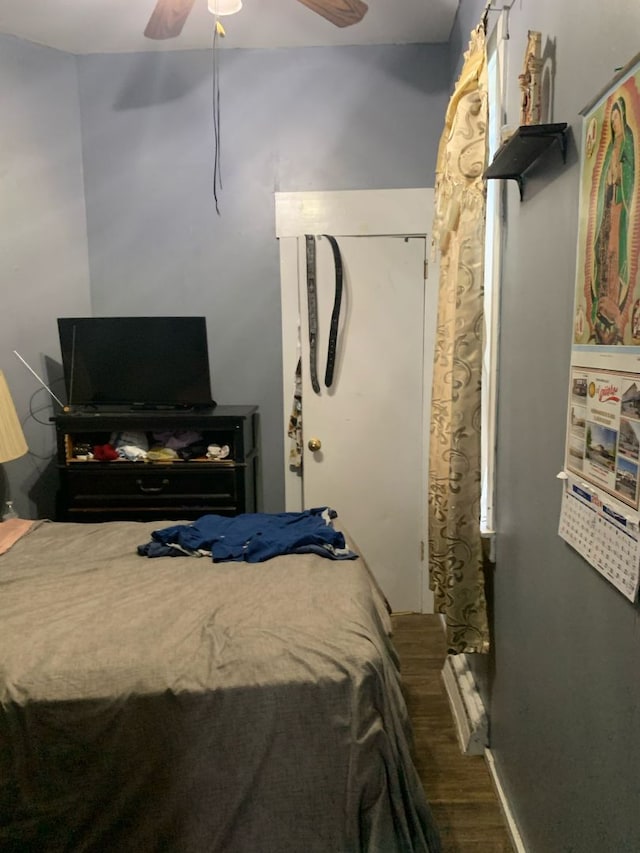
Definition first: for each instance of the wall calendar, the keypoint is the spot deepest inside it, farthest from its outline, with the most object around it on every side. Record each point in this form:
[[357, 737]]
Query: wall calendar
[[608, 540]]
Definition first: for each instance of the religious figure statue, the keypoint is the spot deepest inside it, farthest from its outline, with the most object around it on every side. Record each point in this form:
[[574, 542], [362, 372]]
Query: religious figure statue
[[530, 79]]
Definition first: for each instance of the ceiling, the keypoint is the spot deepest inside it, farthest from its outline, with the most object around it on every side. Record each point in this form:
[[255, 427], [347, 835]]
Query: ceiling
[[116, 26]]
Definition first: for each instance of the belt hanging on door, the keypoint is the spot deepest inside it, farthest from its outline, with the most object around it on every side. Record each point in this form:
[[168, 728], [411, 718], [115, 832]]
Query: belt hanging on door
[[312, 302]]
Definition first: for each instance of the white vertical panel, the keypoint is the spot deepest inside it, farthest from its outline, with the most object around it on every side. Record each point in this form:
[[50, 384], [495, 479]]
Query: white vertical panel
[[289, 274]]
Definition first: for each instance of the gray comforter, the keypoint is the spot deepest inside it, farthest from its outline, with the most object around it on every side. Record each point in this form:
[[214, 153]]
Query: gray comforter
[[180, 705]]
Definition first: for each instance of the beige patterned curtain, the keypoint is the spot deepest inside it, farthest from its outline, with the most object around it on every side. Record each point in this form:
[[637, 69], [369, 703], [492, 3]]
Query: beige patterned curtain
[[455, 546]]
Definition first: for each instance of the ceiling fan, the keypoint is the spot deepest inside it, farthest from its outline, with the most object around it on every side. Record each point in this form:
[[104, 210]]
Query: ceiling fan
[[169, 16]]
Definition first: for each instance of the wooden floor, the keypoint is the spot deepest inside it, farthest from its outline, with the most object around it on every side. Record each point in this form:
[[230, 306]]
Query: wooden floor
[[458, 787]]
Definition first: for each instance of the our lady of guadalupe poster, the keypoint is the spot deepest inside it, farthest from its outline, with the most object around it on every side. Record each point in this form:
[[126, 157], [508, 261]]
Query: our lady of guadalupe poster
[[607, 285], [603, 423]]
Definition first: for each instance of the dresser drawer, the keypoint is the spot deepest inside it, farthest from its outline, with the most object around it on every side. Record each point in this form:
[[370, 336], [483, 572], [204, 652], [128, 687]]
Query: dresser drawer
[[211, 484]]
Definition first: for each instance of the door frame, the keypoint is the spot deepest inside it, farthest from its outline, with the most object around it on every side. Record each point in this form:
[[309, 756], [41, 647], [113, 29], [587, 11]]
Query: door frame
[[352, 213]]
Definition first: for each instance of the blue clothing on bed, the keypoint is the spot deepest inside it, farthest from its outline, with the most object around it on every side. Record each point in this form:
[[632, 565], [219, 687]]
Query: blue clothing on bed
[[253, 537]]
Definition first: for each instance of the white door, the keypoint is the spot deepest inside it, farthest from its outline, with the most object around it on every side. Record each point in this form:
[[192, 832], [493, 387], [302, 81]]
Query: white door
[[371, 466]]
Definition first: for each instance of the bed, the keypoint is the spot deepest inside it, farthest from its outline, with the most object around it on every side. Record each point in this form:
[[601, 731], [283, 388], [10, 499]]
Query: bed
[[188, 706]]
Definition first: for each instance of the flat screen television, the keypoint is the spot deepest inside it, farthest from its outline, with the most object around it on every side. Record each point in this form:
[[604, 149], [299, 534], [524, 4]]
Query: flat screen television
[[136, 362]]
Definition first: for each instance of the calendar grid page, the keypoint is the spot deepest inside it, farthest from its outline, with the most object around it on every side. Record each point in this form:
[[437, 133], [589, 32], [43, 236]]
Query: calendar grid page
[[608, 540]]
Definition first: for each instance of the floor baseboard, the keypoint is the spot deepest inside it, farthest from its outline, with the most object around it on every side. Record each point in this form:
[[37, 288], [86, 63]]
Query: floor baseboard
[[512, 826], [467, 708]]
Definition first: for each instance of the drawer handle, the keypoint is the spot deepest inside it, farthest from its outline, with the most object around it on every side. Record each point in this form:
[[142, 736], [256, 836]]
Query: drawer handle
[[152, 490]]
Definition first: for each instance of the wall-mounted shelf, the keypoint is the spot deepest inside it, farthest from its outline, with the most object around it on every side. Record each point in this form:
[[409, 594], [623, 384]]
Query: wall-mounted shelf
[[522, 149]]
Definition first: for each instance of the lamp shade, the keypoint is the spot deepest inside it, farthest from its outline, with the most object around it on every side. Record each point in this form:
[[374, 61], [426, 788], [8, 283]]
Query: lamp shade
[[12, 440], [224, 7]]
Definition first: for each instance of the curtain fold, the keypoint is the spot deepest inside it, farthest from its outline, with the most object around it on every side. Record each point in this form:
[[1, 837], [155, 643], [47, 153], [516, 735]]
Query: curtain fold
[[455, 545]]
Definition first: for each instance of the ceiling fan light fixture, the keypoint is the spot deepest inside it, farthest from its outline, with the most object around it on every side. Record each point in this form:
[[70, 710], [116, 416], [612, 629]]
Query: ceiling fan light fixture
[[224, 7]]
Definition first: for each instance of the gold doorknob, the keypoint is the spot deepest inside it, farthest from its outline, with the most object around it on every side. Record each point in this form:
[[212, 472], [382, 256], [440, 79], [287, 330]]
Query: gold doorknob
[[314, 444]]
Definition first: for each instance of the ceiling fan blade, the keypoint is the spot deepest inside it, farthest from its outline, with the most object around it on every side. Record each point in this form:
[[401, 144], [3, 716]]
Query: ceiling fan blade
[[168, 18], [342, 13]]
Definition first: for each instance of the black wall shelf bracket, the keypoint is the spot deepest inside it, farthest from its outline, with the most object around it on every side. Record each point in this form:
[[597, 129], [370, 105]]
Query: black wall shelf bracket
[[523, 148]]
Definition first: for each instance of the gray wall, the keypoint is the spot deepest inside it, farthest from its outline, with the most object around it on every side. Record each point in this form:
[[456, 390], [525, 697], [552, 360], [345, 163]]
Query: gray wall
[[562, 682], [299, 119], [43, 246], [131, 136]]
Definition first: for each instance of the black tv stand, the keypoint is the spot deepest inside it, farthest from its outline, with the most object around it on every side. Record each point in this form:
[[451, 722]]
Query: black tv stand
[[92, 490]]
